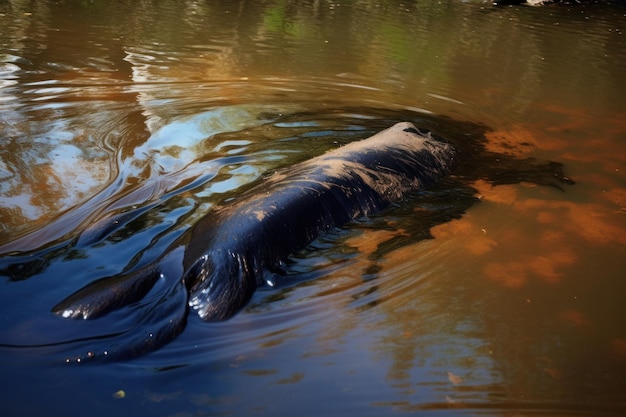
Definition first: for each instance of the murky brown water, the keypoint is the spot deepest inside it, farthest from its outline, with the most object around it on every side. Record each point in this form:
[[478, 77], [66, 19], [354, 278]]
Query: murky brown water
[[165, 109]]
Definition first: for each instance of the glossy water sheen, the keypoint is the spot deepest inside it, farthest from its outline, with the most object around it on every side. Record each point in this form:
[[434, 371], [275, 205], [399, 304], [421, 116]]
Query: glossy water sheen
[[122, 123]]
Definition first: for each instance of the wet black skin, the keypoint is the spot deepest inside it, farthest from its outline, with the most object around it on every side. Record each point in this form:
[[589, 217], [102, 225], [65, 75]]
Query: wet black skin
[[217, 265]]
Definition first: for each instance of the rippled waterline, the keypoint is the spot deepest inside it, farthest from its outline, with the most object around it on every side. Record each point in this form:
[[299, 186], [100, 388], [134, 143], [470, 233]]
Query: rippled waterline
[[158, 118]]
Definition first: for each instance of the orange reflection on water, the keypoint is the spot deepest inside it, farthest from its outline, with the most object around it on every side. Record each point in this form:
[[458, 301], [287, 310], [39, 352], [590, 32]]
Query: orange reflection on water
[[589, 221], [519, 141], [574, 317], [616, 196], [368, 242], [516, 253], [476, 241], [619, 347]]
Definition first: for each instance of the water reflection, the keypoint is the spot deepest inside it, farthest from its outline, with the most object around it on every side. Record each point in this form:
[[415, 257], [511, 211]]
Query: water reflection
[[124, 122], [51, 166]]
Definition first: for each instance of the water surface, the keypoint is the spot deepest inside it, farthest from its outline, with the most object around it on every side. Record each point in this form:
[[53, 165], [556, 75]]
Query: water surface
[[123, 123]]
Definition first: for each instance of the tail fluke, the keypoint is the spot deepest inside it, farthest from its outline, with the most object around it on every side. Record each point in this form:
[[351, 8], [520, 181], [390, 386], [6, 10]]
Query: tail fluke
[[108, 294]]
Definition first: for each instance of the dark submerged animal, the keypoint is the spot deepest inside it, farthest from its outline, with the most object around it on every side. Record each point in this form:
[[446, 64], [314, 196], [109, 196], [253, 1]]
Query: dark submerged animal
[[225, 256]]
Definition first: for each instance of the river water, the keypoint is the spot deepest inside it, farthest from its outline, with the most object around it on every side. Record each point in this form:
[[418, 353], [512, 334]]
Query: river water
[[123, 123]]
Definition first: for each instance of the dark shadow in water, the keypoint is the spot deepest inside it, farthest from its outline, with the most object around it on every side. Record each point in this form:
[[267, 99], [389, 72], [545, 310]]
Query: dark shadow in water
[[447, 200], [159, 310]]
